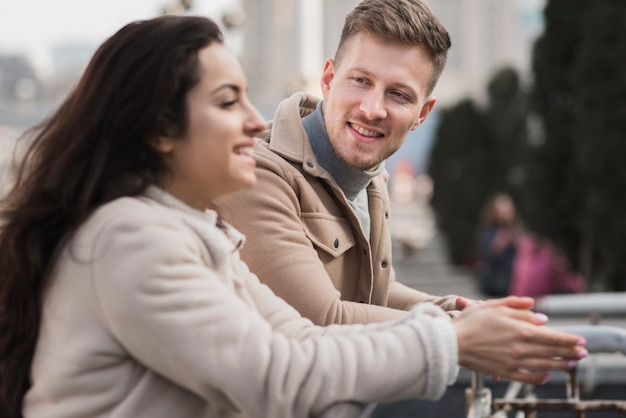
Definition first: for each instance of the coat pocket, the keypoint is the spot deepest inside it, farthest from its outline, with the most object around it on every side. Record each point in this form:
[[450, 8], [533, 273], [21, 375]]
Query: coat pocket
[[329, 233]]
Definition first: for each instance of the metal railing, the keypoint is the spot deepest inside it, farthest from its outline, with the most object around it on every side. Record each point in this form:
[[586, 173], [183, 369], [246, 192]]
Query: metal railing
[[600, 339], [592, 306]]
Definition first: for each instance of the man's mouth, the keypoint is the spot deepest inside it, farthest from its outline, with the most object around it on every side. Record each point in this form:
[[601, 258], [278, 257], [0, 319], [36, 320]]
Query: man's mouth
[[365, 132]]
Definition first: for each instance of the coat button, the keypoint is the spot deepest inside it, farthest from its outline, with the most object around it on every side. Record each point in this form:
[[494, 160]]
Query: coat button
[[384, 264], [310, 164], [336, 243], [386, 215]]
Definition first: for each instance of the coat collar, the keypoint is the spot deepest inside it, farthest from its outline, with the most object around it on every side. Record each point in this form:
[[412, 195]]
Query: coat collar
[[288, 137], [220, 238]]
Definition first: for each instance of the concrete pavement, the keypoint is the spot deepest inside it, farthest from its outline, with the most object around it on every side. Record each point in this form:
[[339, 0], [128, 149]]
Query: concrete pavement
[[428, 269]]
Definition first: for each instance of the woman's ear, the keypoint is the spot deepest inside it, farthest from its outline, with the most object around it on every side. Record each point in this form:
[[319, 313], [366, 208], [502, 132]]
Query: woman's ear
[[162, 144]]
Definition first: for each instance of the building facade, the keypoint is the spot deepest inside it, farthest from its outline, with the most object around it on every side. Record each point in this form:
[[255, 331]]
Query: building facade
[[285, 44]]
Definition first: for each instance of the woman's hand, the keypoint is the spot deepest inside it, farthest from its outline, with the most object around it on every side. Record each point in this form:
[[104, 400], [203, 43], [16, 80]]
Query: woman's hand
[[503, 337]]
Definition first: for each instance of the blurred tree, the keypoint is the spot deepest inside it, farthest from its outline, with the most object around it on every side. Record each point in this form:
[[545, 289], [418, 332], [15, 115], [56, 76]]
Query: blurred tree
[[576, 173], [553, 192], [458, 167], [506, 115], [477, 152], [600, 139]]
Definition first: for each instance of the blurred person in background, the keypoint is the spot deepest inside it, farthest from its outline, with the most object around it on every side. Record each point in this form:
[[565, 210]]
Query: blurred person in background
[[498, 238]]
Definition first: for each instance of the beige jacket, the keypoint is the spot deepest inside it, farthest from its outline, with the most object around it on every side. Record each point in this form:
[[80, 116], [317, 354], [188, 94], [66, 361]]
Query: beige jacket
[[304, 239], [150, 313]]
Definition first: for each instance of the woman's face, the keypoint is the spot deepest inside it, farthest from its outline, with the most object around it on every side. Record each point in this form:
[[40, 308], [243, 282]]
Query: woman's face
[[504, 211], [214, 156]]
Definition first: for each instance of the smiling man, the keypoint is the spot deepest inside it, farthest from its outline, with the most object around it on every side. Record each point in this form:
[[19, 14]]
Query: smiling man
[[317, 222]]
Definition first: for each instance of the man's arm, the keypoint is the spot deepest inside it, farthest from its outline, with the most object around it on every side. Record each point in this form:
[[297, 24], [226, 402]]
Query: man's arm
[[404, 297]]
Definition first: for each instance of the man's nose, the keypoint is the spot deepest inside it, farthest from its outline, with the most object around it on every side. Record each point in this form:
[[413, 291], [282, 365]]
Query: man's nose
[[373, 105]]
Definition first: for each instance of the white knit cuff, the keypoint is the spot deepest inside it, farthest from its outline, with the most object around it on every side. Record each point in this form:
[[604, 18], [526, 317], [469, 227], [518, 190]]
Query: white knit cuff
[[437, 335]]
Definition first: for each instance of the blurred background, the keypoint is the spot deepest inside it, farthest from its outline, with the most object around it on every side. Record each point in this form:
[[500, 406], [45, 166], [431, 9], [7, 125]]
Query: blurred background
[[532, 104]]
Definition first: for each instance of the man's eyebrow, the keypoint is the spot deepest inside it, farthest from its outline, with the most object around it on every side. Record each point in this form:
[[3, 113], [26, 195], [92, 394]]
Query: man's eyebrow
[[361, 70]]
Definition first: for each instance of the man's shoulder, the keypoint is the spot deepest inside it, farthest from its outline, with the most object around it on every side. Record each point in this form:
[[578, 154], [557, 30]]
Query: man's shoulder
[[271, 159]]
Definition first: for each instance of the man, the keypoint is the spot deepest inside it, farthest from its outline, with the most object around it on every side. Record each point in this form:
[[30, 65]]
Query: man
[[317, 223]]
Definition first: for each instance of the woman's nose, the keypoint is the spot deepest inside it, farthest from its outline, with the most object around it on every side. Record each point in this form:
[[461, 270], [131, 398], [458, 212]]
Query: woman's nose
[[255, 122]]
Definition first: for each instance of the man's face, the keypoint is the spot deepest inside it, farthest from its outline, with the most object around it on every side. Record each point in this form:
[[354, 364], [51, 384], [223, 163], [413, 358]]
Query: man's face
[[373, 97]]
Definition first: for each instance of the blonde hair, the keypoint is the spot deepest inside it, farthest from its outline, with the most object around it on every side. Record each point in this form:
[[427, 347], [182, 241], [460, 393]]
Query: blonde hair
[[407, 22]]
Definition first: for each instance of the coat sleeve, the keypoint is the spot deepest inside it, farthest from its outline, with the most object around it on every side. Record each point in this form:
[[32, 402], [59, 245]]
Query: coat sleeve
[[176, 316], [404, 297]]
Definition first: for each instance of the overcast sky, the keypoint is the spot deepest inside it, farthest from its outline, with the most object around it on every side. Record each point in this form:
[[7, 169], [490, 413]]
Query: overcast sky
[[28, 24]]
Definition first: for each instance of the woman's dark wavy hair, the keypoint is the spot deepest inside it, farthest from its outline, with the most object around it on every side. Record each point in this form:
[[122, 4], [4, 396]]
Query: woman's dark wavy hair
[[82, 156]]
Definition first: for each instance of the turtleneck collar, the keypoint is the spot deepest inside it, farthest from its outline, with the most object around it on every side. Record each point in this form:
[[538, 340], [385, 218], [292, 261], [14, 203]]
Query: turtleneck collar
[[350, 180]]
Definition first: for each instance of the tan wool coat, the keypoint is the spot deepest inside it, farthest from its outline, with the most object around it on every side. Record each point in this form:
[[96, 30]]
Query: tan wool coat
[[304, 239], [150, 313]]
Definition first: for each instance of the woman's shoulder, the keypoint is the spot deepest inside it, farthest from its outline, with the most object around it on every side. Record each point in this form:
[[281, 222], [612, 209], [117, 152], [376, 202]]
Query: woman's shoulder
[[144, 221], [125, 216], [134, 210]]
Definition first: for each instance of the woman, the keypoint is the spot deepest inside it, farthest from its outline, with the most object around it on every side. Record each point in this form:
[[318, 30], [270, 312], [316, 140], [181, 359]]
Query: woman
[[123, 295]]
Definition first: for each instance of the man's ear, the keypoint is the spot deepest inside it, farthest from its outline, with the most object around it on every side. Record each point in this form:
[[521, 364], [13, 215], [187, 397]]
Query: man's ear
[[327, 77], [162, 144], [424, 111]]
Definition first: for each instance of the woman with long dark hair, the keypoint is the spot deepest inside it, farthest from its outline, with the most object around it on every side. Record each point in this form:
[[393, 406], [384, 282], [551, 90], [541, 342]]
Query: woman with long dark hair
[[122, 293]]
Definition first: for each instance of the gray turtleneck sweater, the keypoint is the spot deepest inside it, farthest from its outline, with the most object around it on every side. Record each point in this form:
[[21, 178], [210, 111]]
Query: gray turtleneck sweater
[[352, 181]]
